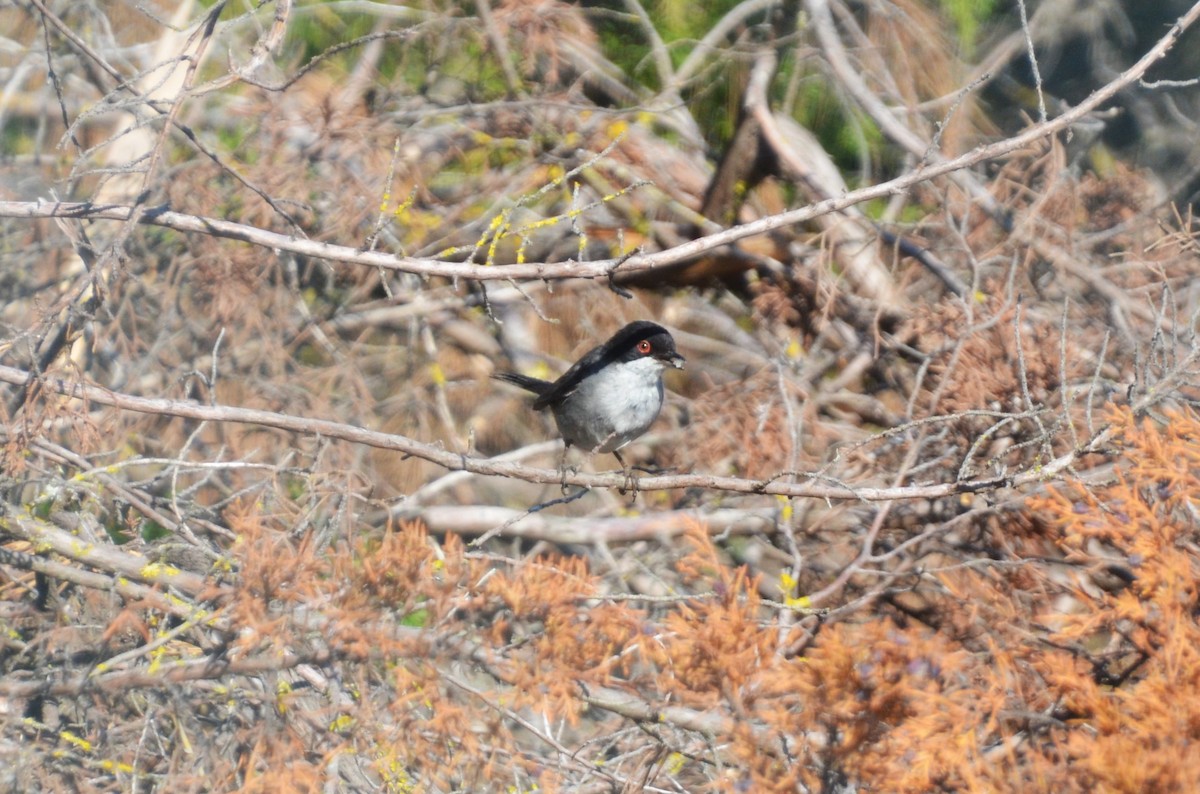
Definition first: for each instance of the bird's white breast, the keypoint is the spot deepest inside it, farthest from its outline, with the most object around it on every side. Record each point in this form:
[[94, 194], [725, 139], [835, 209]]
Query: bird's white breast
[[612, 407]]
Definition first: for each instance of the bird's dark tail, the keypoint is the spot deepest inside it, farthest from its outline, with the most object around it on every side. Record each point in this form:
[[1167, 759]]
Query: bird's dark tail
[[535, 385]]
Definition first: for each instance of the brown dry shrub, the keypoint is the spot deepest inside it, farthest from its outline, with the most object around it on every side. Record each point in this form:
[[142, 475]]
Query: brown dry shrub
[[1136, 712], [979, 364]]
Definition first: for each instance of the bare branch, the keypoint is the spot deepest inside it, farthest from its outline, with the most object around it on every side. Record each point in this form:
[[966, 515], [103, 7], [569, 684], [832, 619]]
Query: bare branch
[[464, 462]]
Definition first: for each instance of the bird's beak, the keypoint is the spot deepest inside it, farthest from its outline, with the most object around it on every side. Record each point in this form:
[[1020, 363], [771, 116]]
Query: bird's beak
[[677, 361]]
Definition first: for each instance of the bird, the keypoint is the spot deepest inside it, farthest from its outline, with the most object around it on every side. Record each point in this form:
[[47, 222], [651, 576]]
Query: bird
[[611, 395]]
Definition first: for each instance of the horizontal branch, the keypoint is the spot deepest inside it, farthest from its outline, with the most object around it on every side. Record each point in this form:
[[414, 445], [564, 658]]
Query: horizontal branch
[[141, 677], [475, 520], [605, 267], [89, 545], [107, 582], [815, 485]]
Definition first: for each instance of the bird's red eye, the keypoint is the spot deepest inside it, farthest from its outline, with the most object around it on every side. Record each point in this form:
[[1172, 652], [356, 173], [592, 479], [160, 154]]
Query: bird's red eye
[[644, 346]]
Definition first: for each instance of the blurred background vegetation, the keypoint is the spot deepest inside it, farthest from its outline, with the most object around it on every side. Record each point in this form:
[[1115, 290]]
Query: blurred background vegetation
[[193, 604]]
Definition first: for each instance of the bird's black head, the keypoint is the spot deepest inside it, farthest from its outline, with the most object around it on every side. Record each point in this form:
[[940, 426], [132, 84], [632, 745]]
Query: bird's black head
[[644, 339]]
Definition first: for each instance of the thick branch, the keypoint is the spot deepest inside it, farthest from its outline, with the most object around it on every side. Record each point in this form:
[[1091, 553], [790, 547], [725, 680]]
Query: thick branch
[[818, 486], [141, 677]]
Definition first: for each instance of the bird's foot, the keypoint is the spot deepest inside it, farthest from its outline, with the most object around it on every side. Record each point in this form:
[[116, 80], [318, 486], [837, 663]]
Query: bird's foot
[[563, 470], [630, 485]]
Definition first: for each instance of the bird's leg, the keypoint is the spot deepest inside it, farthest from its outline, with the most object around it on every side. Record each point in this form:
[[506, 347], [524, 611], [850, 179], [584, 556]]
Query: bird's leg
[[630, 480], [562, 468]]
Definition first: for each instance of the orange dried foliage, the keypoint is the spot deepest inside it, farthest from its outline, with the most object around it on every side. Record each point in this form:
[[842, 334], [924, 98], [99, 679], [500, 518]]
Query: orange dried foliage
[[701, 565], [436, 736], [743, 426], [1037, 679], [1023, 675], [972, 368], [272, 568], [277, 765], [1141, 734], [875, 701], [571, 644], [712, 650]]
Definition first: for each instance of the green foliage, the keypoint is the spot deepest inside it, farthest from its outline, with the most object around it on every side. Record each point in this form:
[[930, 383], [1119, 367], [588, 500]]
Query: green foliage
[[715, 100], [152, 530], [43, 507], [454, 59], [16, 137], [910, 213], [628, 51], [323, 27], [680, 23], [233, 138], [847, 138], [296, 487], [418, 618], [685, 21], [968, 17]]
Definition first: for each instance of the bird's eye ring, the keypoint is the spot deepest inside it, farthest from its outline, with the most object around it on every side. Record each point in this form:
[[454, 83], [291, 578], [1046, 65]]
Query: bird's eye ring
[[643, 346]]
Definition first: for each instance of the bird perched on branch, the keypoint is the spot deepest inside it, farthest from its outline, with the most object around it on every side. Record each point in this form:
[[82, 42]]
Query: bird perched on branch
[[612, 394]]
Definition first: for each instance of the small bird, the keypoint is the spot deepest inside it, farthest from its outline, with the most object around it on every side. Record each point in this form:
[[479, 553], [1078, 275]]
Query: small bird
[[613, 394]]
